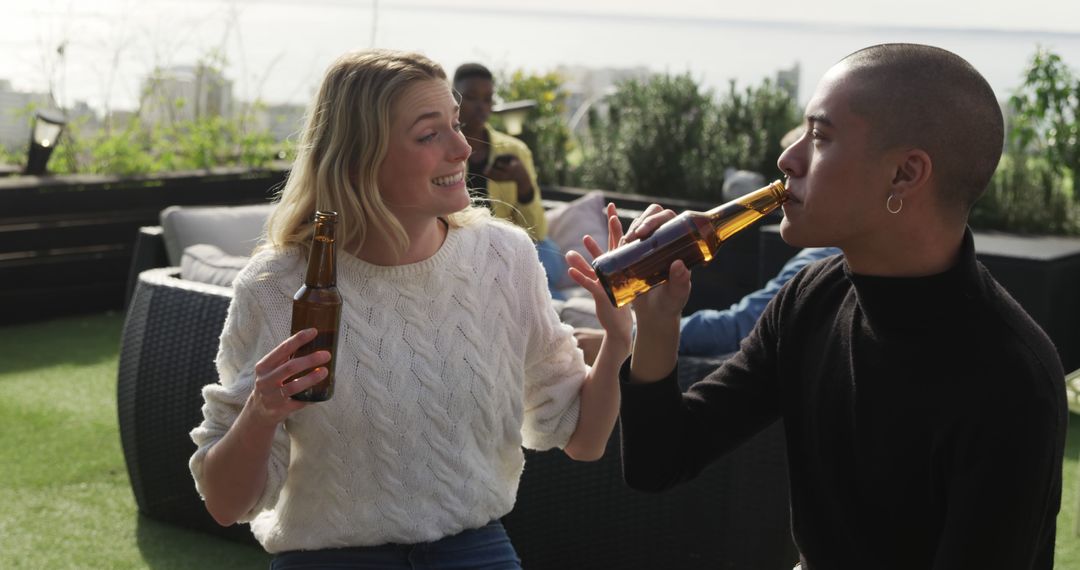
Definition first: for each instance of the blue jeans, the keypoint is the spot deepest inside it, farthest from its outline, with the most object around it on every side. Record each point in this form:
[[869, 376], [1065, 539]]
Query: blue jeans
[[484, 548], [554, 264]]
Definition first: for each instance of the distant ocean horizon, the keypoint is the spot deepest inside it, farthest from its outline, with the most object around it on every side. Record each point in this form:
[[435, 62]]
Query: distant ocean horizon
[[277, 51], [716, 51]]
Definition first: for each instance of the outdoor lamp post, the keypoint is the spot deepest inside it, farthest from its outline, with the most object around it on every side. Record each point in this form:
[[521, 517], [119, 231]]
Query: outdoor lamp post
[[513, 114], [44, 133]]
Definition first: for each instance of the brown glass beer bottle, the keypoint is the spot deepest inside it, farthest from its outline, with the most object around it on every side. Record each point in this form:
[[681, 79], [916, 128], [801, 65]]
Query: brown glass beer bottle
[[317, 304], [693, 237]]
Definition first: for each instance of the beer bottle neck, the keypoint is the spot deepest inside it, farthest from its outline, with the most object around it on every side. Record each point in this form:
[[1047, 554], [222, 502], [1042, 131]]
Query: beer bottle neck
[[731, 217], [763, 200], [322, 264]]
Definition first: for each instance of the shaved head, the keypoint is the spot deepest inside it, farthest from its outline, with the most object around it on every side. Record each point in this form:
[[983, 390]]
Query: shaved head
[[924, 97]]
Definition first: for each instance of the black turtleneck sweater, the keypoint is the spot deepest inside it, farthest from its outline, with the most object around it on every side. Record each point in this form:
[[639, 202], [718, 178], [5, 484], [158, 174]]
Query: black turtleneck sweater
[[925, 419]]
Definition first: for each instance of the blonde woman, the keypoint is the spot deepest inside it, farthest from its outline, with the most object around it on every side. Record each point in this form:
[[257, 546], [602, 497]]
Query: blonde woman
[[450, 356]]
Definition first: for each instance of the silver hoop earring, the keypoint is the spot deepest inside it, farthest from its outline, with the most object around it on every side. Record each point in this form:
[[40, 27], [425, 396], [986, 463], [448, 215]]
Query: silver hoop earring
[[888, 204]]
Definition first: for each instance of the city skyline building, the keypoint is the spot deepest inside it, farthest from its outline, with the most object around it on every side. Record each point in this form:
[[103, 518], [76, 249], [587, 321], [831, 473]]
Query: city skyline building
[[182, 93], [15, 110]]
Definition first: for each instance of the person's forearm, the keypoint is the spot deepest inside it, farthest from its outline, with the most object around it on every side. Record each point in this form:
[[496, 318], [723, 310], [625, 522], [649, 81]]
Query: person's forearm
[[526, 190], [655, 349], [651, 426], [235, 469], [599, 404], [709, 332]]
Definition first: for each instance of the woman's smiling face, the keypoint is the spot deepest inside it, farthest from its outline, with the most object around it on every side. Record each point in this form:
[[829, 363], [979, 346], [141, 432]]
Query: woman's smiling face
[[423, 173]]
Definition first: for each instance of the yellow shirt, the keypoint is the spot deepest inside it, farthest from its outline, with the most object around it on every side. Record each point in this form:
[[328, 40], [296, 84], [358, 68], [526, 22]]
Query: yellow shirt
[[504, 194]]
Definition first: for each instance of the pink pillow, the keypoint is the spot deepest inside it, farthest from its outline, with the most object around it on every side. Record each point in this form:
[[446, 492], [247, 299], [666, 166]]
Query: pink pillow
[[569, 222]]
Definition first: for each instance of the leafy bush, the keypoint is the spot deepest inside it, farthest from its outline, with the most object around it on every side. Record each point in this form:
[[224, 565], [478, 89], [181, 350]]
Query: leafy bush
[[136, 148], [653, 141], [139, 146], [750, 126], [665, 136], [545, 129], [1045, 113], [1033, 189], [1026, 195]]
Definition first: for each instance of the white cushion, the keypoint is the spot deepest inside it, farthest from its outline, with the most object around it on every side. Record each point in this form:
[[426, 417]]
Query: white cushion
[[569, 222], [579, 312], [233, 229], [206, 263], [738, 183]]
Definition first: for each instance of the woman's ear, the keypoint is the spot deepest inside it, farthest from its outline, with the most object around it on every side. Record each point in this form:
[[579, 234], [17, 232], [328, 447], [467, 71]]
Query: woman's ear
[[913, 170]]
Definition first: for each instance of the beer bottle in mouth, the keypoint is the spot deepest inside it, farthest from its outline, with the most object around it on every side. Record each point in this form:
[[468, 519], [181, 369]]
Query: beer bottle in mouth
[[693, 237]]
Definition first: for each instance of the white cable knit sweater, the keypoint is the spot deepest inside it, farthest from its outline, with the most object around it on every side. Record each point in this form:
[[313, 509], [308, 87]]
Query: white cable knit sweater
[[445, 369]]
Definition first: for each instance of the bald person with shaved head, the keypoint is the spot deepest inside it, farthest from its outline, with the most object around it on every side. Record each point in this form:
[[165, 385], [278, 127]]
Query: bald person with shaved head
[[924, 410]]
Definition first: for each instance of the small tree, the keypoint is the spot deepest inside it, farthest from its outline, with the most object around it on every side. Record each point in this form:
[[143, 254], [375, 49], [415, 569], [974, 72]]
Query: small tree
[[1045, 113], [1033, 189]]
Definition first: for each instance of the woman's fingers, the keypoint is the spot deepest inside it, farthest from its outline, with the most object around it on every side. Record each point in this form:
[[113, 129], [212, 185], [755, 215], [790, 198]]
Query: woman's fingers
[[591, 284], [582, 273], [288, 389], [614, 227], [272, 397], [295, 366], [284, 351], [592, 246], [275, 369], [274, 391], [576, 261]]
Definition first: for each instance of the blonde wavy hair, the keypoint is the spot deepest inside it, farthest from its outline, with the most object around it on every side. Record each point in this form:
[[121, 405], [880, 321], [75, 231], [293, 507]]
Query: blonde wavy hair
[[342, 147]]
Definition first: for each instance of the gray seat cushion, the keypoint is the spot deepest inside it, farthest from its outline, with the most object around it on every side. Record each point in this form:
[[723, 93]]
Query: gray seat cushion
[[236, 230], [206, 263]]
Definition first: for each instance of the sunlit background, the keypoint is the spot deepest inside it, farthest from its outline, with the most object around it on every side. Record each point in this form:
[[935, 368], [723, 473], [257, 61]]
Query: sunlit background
[[99, 52]]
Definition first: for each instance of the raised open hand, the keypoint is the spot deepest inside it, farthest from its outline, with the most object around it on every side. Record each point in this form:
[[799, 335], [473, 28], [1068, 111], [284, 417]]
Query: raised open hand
[[618, 323], [665, 300]]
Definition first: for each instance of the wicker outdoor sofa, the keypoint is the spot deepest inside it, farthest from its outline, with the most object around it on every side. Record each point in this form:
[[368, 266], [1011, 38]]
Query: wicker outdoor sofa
[[568, 515]]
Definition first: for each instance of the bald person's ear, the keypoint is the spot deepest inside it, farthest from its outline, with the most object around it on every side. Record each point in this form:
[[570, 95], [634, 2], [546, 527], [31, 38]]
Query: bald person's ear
[[913, 170]]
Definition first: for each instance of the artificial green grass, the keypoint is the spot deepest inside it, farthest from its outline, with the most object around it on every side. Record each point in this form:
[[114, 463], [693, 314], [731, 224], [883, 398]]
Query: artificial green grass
[[65, 499], [1067, 549], [64, 490]]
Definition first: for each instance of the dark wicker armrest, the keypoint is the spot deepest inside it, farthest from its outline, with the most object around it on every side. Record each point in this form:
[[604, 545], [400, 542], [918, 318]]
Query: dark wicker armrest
[[167, 353], [148, 253]]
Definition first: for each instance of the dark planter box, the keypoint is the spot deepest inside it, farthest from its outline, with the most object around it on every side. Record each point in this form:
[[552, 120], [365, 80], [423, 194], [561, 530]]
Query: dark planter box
[[1042, 273], [66, 242]]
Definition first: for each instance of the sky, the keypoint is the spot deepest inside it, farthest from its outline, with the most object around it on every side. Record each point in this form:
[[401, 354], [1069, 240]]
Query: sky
[[276, 49], [1033, 15]]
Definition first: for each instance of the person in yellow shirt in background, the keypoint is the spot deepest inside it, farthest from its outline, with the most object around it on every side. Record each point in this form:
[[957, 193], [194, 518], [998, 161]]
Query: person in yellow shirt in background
[[501, 171]]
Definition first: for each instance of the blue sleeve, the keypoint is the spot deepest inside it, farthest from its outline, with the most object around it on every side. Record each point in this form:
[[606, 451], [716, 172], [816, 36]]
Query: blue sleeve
[[710, 332]]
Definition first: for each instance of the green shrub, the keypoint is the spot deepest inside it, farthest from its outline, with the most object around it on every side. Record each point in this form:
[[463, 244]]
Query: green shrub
[[1026, 195], [750, 125], [1045, 110], [1033, 189], [665, 136], [653, 141], [545, 129], [138, 147]]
